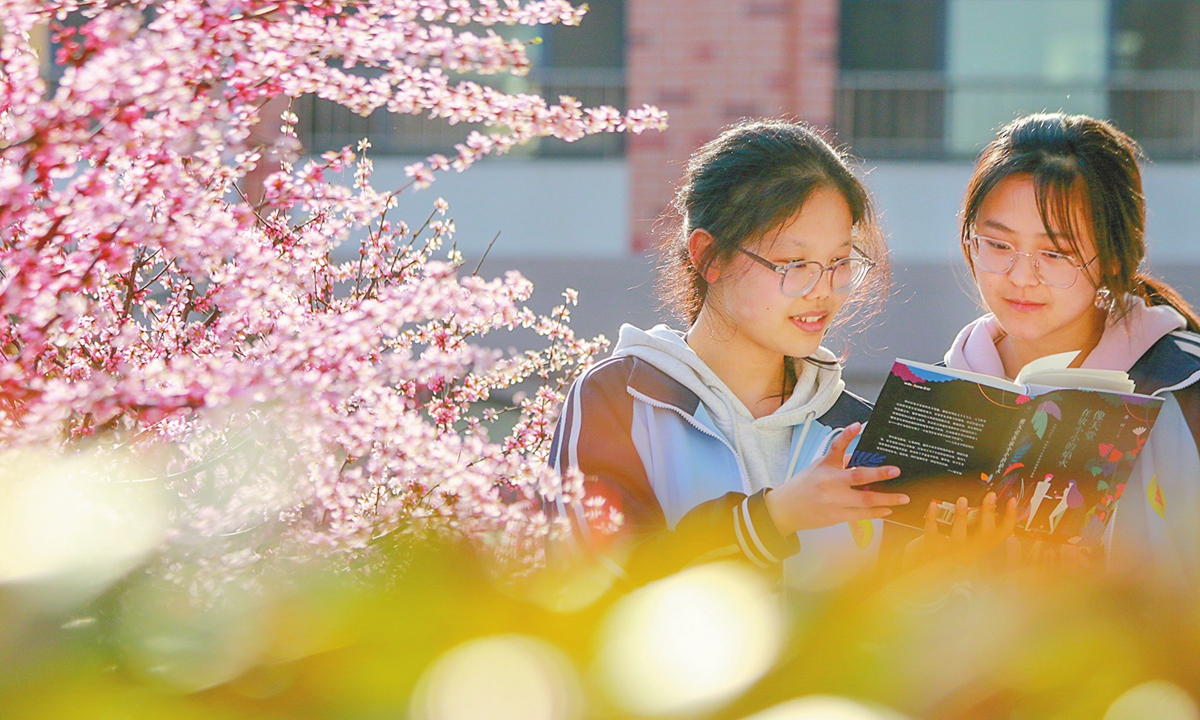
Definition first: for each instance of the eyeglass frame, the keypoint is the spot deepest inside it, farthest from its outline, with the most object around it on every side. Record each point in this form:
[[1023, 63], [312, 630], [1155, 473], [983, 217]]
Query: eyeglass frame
[[784, 269], [972, 244]]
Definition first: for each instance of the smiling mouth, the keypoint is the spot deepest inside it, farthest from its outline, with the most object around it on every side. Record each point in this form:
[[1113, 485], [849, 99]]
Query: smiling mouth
[[812, 322]]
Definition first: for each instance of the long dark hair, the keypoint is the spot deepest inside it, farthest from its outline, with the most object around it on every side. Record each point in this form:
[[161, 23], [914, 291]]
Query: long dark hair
[[1075, 158], [746, 184]]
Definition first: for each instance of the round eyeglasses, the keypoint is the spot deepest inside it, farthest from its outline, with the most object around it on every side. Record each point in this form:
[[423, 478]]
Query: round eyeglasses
[[1058, 270], [798, 278]]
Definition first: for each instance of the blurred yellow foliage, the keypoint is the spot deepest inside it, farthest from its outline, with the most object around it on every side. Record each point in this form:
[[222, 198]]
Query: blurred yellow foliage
[[428, 632]]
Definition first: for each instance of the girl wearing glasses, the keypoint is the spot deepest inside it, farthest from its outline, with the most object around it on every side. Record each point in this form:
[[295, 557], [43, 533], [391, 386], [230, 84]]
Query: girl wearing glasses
[[1053, 230], [728, 439]]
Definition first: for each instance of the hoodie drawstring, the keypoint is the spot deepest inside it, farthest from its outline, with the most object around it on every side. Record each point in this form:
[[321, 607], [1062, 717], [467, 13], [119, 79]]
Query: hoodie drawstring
[[796, 453]]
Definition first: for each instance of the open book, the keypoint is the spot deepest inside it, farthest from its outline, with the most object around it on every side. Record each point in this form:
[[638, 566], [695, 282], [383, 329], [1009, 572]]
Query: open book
[[1061, 440]]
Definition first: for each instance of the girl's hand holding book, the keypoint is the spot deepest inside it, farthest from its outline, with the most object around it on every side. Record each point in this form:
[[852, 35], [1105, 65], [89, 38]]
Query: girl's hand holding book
[[826, 493], [958, 546]]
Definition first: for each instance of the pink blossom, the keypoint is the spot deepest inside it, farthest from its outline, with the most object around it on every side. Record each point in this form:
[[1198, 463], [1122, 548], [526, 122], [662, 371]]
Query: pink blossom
[[279, 392]]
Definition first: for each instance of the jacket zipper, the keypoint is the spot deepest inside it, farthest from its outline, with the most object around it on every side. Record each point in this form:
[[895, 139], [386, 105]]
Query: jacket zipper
[[696, 424], [1191, 380], [828, 442]]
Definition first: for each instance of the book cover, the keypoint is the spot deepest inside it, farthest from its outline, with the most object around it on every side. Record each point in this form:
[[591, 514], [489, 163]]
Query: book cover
[[1065, 454]]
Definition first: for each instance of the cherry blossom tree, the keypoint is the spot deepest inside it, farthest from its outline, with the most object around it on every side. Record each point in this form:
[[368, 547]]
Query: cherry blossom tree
[[291, 404]]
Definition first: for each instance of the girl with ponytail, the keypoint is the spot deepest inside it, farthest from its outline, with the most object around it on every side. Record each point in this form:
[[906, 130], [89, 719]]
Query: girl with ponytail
[[728, 440], [1053, 231]]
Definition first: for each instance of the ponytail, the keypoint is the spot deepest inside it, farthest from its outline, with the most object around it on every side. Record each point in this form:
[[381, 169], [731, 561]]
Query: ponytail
[[1157, 292], [1078, 161], [747, 184]]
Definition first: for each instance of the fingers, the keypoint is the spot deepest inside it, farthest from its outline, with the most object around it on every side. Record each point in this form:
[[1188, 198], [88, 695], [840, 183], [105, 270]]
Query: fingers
[[931, 525], [958, 529], [1012, 552], [867, 505], [873, 513], [867, 498], [868, 475], [841, 443], [991, 530], [1009, 524], [854, 514], [1035, 553], [1051, 554], [861, 513], [987, 515], [1071, 558]]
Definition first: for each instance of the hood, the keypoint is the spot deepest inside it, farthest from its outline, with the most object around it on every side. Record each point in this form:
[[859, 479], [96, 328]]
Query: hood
[[817, 388], [1120, 347]]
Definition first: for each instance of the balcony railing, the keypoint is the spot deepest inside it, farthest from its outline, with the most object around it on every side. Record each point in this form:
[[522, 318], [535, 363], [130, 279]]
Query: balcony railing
[[325, 125], [903, 114], [1160, 109], [891, 114]]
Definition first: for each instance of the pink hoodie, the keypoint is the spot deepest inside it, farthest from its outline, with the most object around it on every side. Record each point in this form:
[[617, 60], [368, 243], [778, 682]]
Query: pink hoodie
[[1122, 344]]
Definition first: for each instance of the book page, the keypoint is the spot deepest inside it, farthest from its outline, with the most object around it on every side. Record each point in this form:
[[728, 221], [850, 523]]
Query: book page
[[1081, 379], [1054, 371], [1048, 363]]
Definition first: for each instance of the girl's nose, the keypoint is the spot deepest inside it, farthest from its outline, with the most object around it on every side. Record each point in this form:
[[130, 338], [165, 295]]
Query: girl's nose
[[1023, 271], [823, 288]]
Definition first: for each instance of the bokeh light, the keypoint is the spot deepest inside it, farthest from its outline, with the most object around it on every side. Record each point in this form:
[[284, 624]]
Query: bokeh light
[[74, 524], [1157, 699], [504, 677], [186, 642], [825, 707], [690, 641]]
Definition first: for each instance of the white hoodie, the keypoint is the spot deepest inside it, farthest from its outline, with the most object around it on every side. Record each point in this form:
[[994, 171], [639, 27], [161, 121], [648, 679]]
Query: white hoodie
[[762, 443]]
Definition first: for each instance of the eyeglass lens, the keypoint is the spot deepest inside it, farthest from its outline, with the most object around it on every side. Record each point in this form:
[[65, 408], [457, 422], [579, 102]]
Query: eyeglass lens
[[1053, 269], [846, 275]]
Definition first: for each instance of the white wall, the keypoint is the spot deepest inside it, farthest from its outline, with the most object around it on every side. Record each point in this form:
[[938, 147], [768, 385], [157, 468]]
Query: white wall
[[565, 225], [568, 209], [919, 205], [541, 207]]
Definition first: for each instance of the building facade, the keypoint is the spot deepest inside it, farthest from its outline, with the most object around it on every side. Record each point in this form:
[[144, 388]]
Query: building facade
[[914, 87]]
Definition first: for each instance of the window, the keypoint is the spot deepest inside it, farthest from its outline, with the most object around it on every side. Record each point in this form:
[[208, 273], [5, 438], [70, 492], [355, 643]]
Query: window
[[1154, 90], [585, 61], [1156, 35], [892, 35], [930, 78], [891, 96]]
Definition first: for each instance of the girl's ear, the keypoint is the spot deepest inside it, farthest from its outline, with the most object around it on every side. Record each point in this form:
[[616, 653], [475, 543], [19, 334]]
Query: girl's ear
[[699, 244]]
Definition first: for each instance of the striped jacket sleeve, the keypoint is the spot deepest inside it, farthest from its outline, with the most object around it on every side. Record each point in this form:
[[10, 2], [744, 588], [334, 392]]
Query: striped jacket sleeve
[[594, 435]]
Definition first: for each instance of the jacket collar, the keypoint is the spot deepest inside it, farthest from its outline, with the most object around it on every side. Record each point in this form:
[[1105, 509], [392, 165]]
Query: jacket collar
[[661, 387], [645, 379], [1147, 343], [1170, 364]]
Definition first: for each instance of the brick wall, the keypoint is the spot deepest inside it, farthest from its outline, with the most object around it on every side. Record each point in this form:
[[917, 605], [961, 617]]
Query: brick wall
[[710, 63]]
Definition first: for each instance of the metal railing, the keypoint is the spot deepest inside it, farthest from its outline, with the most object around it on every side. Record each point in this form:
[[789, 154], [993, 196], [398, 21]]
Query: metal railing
[[325, 125], [903, 114], [592, 87], [891, 114], [1161, 110]]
